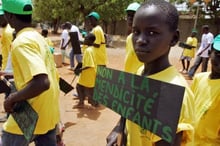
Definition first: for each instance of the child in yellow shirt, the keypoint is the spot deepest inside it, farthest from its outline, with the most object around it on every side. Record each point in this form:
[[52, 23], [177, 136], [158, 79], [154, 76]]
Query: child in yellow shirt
[[206, 89], [86, 82], [189, 53], [154, 33]]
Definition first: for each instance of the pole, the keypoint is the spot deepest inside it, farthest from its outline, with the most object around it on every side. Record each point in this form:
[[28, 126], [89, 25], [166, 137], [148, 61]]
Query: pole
[[74, 77], [197, 15]]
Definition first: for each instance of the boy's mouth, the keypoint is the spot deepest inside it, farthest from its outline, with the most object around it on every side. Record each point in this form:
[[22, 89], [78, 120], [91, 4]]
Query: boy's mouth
[[142, 51]]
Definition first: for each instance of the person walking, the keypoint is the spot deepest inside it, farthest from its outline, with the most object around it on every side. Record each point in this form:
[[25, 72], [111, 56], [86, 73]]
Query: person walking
[[36, 78], [64, 42], [75, 37], [189, 53], [202, 55]]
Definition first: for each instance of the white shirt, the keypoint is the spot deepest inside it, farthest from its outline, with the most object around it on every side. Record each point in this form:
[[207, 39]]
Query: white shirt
[[64, 37], [74, 28], [206, 40]]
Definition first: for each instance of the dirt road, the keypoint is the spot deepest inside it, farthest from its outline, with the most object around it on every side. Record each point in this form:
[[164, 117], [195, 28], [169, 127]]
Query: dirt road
[[89, 127]]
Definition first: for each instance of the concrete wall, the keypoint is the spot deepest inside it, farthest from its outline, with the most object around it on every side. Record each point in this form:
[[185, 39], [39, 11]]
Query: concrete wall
[[185, 28]]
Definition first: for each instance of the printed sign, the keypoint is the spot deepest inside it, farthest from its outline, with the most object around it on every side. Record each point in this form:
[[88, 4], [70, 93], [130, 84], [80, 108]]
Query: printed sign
[[152, 104], [26, 118]]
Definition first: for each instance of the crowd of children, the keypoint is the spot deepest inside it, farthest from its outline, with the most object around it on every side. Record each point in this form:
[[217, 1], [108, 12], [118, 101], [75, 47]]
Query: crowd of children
[[154, 31]]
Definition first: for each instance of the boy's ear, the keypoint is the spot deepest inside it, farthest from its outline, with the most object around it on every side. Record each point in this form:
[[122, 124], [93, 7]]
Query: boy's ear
[[175, 39]]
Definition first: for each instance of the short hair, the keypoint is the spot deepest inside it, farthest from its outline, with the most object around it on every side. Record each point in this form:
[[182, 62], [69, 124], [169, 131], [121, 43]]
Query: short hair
[[90, 37], [206, 27], [168, 9], [68, 25], [44, 32], [24, 18]]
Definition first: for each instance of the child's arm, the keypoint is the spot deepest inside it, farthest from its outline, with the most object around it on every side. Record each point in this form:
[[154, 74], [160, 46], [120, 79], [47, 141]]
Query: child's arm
[[67, 44], [177, 141], [77, 71], [3, 73], [185, 45], [199, 53], [35, 87]]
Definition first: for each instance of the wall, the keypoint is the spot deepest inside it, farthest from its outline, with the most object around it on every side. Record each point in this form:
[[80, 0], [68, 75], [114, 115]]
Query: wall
[[185, 28]]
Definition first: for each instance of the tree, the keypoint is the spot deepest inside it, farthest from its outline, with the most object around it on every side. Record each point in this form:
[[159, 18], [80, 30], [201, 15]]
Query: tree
[[206, 8], [213, 10], [50, 11], [59, 11]]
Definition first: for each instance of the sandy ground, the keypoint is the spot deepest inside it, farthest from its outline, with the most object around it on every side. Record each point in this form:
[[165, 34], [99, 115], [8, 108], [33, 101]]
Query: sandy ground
[[89, 127]]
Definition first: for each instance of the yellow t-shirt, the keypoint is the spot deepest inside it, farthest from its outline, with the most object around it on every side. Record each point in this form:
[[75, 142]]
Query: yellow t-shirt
[[100, 53], [190, 52], [49, 42], [140, 137], [6, 40], [131, 61], [31, 56], [88, 76], [83, 48], [207, 110]]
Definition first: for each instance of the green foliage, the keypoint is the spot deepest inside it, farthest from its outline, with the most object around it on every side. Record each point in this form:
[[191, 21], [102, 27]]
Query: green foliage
[[59, 11]]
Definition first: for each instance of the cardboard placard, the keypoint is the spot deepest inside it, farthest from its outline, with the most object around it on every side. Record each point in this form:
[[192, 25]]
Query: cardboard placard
[[26, 118], [152, 104], [65, 86]]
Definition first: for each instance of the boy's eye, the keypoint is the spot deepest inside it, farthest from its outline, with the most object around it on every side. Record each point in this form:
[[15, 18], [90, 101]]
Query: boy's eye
[[135, 31], [151, 33]]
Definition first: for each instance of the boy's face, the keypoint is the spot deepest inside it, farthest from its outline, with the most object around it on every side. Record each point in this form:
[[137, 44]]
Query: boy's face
[[215, 61], [92, 21], [152, 37]]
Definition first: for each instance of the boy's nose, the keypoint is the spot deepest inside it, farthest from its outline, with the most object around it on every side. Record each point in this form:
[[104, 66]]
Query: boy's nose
[[141, 39]]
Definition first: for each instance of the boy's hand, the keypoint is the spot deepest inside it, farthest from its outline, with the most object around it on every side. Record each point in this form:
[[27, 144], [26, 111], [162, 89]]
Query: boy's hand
[[77, 71], [209, 52], [199, 53], [9, 104]]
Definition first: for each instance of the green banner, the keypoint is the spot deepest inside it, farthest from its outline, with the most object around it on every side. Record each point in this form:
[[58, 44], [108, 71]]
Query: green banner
[[152, 104], [26, 118]]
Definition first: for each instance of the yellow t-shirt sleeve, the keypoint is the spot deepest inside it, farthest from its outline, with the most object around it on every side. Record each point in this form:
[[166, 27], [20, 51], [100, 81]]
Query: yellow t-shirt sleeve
[[29, 67]]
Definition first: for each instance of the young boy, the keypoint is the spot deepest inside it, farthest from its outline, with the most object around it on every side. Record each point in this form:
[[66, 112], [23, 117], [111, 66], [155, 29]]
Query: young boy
[[86, 82], [64, 42], [131, 61], [189, 53], [35, 77], [154, 32], [206, 89], [99, 44], [44, 33]]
